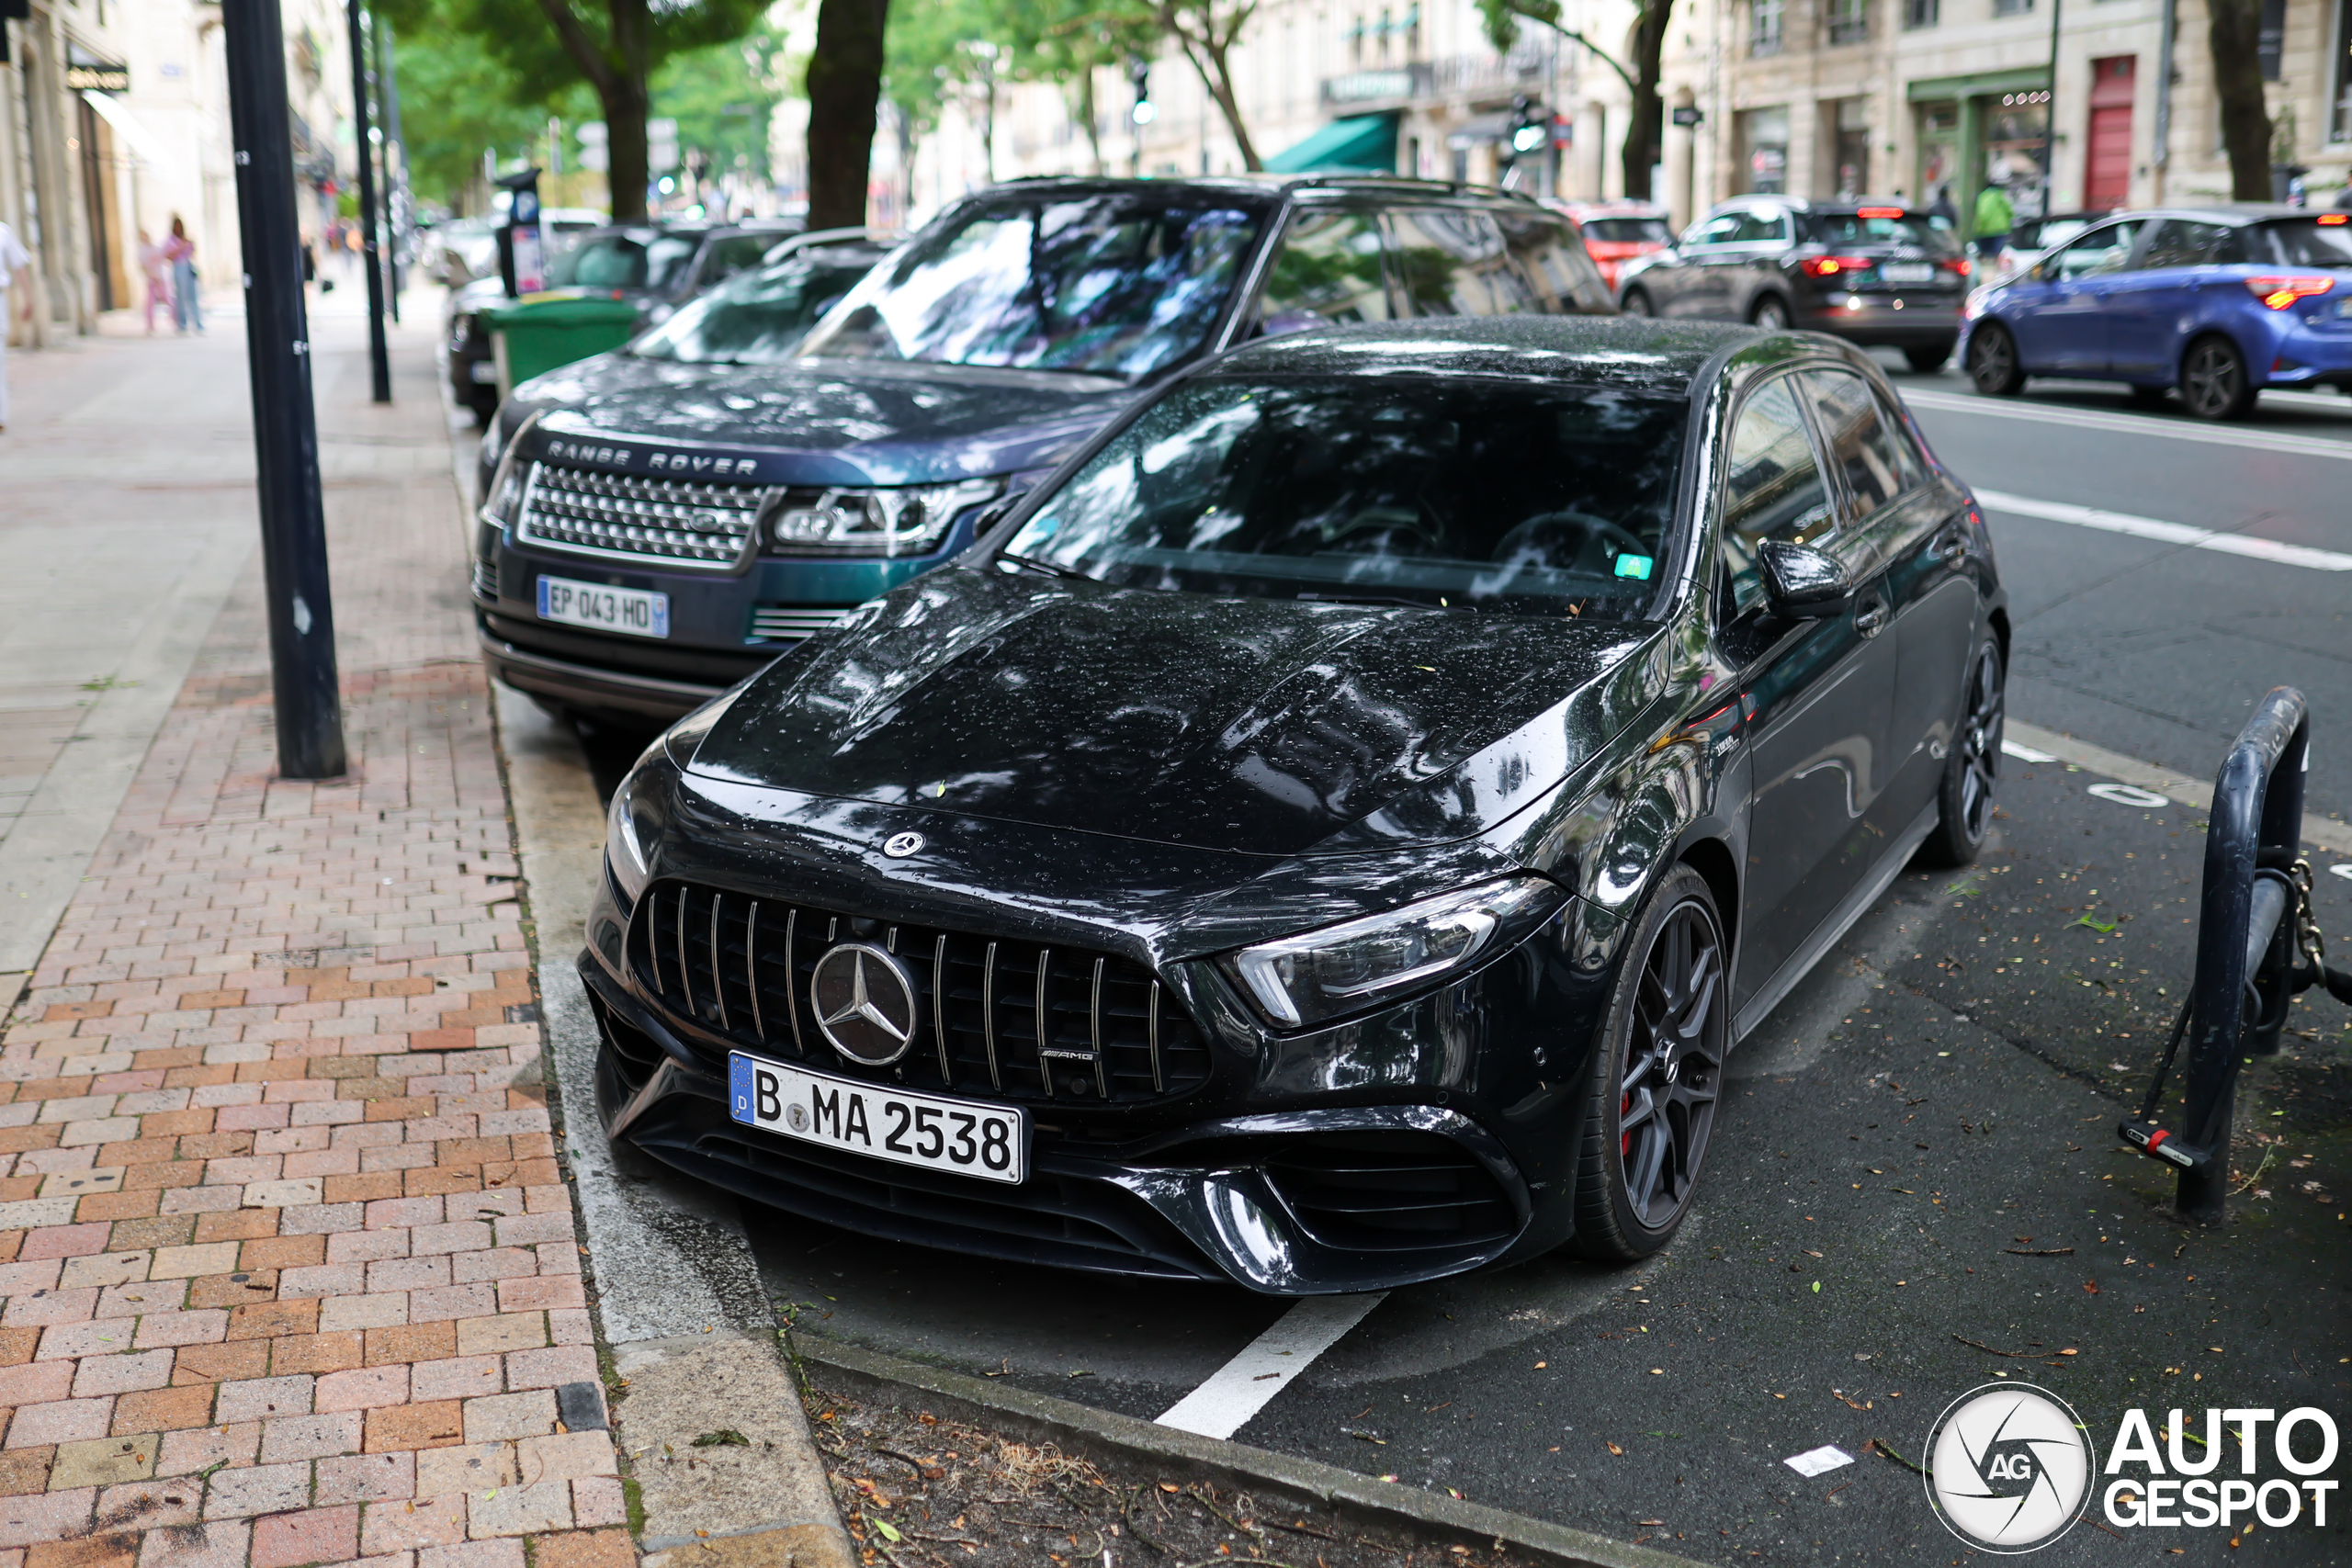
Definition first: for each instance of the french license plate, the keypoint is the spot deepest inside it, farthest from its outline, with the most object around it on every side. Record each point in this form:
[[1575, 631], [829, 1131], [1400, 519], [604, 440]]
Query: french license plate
[[962, 1137], [1907, 272], [637, 612]]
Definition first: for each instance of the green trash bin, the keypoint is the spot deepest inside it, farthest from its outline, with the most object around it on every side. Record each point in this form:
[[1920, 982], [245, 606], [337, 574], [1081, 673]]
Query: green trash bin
[[540, 332]]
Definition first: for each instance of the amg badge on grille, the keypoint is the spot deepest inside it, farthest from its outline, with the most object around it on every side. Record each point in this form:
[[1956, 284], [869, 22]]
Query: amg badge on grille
[[865, 1003]]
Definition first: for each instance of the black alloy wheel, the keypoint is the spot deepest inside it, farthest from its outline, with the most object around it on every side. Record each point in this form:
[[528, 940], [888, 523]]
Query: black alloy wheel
[[1657, 1076], [1638, 304], [1929, 358], [1964, 799], [1772, 313], [1993, 361], [2214, 381]]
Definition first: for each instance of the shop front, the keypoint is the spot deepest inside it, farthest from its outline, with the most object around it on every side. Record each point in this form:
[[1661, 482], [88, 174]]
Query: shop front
[[1988, 129]]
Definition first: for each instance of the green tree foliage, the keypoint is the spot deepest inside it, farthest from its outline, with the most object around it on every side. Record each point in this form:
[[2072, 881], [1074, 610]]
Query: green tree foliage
[[722, 98], [1644, 136], [541, 48], [455, 100]]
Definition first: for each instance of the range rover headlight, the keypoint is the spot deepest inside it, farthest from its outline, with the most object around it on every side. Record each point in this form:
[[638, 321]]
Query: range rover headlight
[[899, 521], [504, 497], [1321, 974]]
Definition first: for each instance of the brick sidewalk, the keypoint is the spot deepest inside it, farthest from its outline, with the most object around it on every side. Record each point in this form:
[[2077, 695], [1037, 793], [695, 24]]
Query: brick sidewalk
[[290, 1263]]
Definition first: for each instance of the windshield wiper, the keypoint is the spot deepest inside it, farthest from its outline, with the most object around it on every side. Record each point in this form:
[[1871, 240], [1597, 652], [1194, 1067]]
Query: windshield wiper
[[1046, 567], [1386, 599]]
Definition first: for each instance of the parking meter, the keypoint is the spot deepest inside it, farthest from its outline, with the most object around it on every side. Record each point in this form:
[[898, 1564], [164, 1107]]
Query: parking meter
[[522, 250]]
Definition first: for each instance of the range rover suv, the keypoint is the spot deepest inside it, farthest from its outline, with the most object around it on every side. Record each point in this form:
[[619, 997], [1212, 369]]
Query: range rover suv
[[663, 521]]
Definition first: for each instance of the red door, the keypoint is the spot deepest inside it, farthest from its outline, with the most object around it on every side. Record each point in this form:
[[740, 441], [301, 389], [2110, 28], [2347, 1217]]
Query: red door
[[2107, 176]]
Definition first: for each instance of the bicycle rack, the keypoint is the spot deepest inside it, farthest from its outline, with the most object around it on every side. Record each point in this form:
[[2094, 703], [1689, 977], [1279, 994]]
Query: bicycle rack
[[2257, 947]]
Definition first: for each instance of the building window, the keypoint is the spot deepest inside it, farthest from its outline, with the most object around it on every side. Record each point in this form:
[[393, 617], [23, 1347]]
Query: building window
[[1852, 122], [2270, 43], [1923, 12], [1764, 27], [1764, 151], [1849, 21], [2343, 125], [2012, 7]]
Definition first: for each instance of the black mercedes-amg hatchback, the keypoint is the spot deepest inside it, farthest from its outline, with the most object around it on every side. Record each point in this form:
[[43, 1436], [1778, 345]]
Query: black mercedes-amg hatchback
[[1329, 835]]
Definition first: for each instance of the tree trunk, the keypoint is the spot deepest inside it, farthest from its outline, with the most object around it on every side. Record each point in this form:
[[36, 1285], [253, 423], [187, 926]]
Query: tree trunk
[[1217, 75], [844, 82], [2235, 33], [1647, 131], [1087, 114]]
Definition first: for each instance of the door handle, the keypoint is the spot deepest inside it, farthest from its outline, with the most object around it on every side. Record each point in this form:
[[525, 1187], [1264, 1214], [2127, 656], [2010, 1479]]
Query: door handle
[[1952, 549], [1870, 619]]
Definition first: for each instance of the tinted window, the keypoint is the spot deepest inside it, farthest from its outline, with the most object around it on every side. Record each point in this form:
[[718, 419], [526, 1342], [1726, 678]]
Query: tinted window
[[2179, 242], [1326, 271], [618, 261], [1451, 262], [1107, 284], [1715, 230], [1863, 440], [758, 317], [2053, 232], [2099, 252], [1853, 228], [1760, 228], [733, 253], [2302, 242], [1550, 255], [1449, 493], [1773, 488], [1629, 231]]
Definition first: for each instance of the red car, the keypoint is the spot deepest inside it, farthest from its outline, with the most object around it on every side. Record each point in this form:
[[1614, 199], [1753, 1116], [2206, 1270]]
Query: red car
[[1617, 232]]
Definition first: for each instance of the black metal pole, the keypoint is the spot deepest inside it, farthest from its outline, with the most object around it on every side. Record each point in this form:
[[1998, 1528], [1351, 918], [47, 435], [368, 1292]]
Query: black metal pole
[[379, 363], [286, 438]]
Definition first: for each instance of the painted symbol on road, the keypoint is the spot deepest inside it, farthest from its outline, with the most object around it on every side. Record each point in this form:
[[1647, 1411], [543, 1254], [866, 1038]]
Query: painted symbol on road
[[2129, 794], [2342, 869]]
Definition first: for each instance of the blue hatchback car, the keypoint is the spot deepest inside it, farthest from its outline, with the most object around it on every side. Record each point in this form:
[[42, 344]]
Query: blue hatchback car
[[2219, 302]]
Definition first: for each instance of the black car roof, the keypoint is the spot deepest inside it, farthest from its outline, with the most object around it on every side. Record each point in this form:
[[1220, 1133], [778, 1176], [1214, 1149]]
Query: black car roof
[[2240, 213], [1618, 351]]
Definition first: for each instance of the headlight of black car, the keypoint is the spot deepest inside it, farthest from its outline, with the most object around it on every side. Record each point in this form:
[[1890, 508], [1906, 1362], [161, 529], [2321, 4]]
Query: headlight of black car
[[903, 520], [1323, 974], [504, 497], [631, 828]]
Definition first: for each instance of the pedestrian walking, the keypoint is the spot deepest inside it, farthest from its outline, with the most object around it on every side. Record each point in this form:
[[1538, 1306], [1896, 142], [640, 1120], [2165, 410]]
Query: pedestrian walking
[[14, 259], [155, 268], [1995, 217], [180, 251]]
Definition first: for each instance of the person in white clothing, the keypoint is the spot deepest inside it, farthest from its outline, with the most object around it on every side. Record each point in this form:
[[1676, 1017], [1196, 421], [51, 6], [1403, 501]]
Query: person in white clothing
[[14, 259]]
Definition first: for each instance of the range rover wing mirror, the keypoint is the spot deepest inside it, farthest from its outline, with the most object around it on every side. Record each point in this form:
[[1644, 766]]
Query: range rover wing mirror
[[1802, 584]]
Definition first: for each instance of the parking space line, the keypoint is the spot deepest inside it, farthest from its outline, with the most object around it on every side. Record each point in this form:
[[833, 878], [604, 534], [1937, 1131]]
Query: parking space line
[[2129, 424], [2034, 744], [2169, 533], [1240, 1388]]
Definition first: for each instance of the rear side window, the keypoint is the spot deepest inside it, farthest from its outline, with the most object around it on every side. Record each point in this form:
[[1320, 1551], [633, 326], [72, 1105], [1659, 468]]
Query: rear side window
[[2100, 250], [2302, 242], [733, 253], [1550, 255], [1874, 452], [1760, 228], [1773, 490], [1326, 272], [2182, 242], [1451, 262], [1904, 229]]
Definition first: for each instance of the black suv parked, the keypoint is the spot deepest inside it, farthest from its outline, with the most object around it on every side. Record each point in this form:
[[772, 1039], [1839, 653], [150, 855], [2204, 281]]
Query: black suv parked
[[1871, 272], [666, 519]]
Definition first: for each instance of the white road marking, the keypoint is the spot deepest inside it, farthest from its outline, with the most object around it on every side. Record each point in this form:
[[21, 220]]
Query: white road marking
[[2130, 795], [2169, 533], [1240, 1389], [2328, 834], [2025, 754], [2131, 424]]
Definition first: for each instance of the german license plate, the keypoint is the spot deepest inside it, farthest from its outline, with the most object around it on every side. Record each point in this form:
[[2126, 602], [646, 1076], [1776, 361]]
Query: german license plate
[[1907, 272], [636, 611], [961, 1136]]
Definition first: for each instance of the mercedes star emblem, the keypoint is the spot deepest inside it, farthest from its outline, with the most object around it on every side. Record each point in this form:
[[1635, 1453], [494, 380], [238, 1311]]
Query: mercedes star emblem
[[865, 1003], [898, 846]]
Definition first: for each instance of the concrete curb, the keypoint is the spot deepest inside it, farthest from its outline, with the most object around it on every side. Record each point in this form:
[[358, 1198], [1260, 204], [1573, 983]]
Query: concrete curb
[[1082, 1429]]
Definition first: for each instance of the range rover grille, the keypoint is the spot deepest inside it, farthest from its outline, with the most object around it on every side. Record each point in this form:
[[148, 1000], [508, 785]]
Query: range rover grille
[[994, 1016], [681, 522]]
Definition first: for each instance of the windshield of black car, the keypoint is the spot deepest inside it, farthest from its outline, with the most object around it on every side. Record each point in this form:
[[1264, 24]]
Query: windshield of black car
[[622, 261], [1628, 230], [758, 317], [1915, 229], [2303, 241], [1451, 494], [1121, 285]]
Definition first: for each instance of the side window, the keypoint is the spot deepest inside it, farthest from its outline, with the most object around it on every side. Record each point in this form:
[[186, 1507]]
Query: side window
[[1713, 232], [1873, 452], [2095, 254], [2182, 242], [1327, 272], [1761, 228], [1451, 263], [1772, 490], [1553, 258]]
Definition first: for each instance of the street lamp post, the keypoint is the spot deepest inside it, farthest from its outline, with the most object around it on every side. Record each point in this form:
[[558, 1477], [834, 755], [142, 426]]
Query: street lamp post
[[309, 708], [379, 363]]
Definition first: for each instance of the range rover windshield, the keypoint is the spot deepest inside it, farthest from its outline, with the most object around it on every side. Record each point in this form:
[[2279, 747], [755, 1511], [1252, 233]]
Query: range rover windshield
[[1454, 495], [1112, 284]]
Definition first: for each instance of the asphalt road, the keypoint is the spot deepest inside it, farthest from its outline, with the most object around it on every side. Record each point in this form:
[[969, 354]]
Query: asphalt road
[[1915, 1188]]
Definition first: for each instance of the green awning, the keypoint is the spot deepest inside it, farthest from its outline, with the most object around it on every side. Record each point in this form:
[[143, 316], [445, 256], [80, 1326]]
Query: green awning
[[1360, 141]]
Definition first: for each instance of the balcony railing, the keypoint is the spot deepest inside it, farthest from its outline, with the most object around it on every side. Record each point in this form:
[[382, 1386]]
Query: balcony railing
[[1466, 75]]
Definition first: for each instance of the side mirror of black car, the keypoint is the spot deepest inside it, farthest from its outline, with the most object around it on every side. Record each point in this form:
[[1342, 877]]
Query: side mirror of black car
[[1802, 584]]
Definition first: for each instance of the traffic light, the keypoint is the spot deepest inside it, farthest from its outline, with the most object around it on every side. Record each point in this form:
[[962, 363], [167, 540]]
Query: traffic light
[[1139, 72], [1531, 127]]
